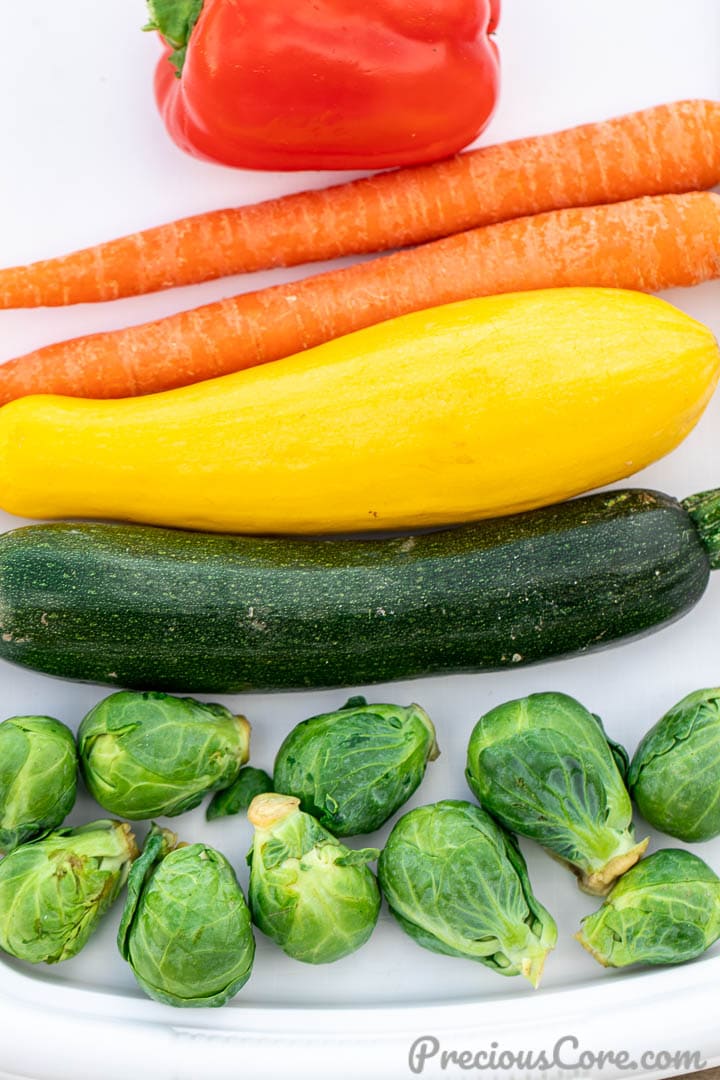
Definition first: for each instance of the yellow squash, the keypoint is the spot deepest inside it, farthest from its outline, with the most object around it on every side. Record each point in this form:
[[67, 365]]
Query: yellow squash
[[476, 409]]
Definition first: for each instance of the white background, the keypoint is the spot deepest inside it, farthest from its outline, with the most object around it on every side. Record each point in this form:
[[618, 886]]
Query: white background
[[84, 158]]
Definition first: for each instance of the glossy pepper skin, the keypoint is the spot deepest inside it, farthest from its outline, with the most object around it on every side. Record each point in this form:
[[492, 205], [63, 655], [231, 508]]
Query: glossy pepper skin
[[325, 84]]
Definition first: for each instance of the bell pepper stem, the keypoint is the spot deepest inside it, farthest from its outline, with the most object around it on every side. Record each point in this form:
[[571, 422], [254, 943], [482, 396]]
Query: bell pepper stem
[[704, 509], [175, 20]]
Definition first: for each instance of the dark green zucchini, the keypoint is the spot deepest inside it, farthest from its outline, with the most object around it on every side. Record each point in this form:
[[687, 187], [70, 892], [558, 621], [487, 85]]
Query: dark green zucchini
[[168, 610]]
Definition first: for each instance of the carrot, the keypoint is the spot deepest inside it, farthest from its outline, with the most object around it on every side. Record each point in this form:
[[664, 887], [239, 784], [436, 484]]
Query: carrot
[[646, 244], [666, 149]]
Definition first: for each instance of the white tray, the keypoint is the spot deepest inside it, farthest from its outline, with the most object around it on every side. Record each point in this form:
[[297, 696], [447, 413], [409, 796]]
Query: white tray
[[85, 158]]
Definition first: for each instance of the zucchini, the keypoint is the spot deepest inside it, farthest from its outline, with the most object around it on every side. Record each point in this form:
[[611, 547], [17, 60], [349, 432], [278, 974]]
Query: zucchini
[[143, 607]]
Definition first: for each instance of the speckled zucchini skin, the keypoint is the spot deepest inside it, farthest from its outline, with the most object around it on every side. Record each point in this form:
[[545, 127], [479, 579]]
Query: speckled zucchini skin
[[154, 608]]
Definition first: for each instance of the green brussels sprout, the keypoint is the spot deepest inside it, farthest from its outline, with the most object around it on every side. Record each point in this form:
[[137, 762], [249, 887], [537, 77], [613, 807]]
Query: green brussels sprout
[[186, 929], [665, 910], [238, 796], [541, 765], [317, 899], [149, 754], [618, 751], [352, 769], [54, 891], [675, 774], [457, 884], [38, 778]]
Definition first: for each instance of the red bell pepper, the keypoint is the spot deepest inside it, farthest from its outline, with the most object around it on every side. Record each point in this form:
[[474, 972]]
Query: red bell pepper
[[325, 84]]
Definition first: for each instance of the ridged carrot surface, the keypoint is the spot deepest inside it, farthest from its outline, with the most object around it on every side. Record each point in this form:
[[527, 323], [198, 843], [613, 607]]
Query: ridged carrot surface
[[671, 148], [647, 245]]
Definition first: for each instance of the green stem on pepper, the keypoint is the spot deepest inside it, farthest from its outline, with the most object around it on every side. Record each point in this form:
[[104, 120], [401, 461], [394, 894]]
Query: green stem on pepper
[[175, 20]]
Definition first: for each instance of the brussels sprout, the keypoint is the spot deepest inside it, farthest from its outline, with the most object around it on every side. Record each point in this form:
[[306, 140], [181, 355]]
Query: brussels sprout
[[666, 910], [148, 754], [352, 769], [238, 796], [186, 930], [317, 899], [458, 884], [54, 891], [675, 773], [38, 778], [542, 766], [618, 751]]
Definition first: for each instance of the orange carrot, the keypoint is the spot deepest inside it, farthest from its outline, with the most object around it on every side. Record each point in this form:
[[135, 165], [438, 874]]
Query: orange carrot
[[666, 149], [647, 244]]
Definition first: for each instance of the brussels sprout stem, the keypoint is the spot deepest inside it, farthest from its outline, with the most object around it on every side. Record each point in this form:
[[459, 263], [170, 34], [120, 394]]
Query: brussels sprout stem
[[580, 936], [434, 752], [529, 954], [128, 836], [269, 809], [600, 882], [532, 968], [245, 729], [704, 509]]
